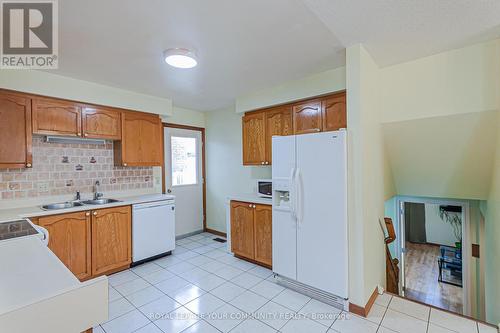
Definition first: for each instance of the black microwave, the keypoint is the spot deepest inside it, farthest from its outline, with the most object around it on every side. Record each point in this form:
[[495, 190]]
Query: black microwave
[[265, 188]]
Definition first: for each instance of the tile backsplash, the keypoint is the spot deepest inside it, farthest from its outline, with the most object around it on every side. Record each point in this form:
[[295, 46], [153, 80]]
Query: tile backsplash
[[60, 169]]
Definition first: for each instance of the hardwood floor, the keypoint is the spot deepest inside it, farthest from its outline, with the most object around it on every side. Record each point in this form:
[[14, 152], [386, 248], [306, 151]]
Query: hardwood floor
[[421, 272]]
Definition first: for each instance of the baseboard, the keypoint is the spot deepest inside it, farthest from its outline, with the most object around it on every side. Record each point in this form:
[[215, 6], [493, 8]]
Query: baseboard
[[364, 310], [215, 232]]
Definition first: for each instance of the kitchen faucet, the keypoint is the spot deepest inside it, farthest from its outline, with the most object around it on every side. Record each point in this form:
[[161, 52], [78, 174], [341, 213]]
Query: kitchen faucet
[[97, 194]]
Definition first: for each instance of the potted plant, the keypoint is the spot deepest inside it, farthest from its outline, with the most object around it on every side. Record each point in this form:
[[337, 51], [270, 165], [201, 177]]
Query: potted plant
[[453, 216]]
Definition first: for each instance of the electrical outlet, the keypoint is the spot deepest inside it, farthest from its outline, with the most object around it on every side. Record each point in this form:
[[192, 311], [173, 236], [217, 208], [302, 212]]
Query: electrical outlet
[[42, 187]]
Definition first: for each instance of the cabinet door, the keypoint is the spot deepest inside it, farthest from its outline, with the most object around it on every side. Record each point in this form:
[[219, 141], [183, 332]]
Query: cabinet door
[[263, 227], [15, 131], [55, 117], [278, 122], [254, 139], [101, 123], [111, 239], [334, 112], [307, 117], [69, 239], [242, 229], [142, 143]]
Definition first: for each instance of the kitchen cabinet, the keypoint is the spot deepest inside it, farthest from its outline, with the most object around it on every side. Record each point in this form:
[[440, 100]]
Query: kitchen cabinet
[[263, 228], [111, 239], [254, 138], [69, 239], [15, 131], [56, 117], [251, 231], [334, 112], [278, 122], [102, 123], [142, 140], [307, 117]]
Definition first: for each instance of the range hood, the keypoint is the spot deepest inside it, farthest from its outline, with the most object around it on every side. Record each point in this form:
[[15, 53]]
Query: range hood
[[74, 140]]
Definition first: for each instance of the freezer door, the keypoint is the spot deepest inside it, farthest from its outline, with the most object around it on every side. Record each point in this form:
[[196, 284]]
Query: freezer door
[[283, 156], [322, 212]]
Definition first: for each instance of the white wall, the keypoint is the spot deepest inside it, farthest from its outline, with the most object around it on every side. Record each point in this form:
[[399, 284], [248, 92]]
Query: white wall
[[314, 85], [437, 231], [226, 174], [182, 116], [48, 84]]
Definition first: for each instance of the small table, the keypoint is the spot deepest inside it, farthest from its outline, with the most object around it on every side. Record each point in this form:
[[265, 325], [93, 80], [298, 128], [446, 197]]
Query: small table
[[450, 259]]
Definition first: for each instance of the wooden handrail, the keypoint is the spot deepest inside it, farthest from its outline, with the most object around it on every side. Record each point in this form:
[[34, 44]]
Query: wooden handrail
[[392, 269]]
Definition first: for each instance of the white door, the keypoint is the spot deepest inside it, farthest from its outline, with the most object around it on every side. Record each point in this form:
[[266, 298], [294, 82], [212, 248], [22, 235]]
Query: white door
[[183, 177], [321, 178]]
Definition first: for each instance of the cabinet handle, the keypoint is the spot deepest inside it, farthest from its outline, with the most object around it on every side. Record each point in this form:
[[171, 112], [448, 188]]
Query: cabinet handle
[[87, 214], [267, 162], [262, 163], [79, 133], [94, 213], [85, 134], [28, 165], [124, 164], [250, 206], [317, 130]]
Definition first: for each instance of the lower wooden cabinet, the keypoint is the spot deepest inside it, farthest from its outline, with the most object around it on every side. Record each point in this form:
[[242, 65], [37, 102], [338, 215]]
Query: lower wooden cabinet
[[251, 231], [111, 239], [91, 243]]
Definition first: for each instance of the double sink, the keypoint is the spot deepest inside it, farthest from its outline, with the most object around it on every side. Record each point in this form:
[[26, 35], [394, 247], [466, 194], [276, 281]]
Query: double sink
[[71, 204]]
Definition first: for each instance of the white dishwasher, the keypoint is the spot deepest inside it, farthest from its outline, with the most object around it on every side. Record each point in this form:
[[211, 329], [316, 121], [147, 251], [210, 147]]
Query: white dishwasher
[[153, 230]]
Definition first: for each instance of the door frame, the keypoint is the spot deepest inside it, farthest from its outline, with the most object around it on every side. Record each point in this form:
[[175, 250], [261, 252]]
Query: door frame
[[466, 243], [203, 173]]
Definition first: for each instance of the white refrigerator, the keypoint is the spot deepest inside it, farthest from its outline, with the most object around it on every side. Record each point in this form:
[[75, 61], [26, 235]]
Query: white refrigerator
[[310, 242]]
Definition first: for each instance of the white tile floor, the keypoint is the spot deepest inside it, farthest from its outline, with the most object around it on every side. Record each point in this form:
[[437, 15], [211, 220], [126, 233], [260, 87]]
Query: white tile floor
[[201, 288]]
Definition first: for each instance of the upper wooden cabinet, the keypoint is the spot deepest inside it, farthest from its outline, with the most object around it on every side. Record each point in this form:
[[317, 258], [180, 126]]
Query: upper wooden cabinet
[[69, 239], [142, 140], [254, 138], [101, 123], [307, 117], [111, 239], [334, 112], [15, 131], [56, 117], [278, 122]]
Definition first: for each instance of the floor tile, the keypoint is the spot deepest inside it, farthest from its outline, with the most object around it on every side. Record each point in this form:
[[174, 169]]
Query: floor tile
[[267, 289], [228, 272], [159, 308], [146, 269], [122, 277], [486, 329], [348, 323], [226, 318], [209, 282], [201, 327], [133, 286], [243, 265], [199, 260], [151, 328], [376, 314], [214, 254], [171, 284], [159, 276], [197, 237], [182, 241], [177, 320], [253, 326], [249, 301], [383, 299], [381, 329], [261, 272], [274, 315], [203, 249], [452, 322], [113, 294], [168, 261], [192, 245], [228, 259], [187, 255], [179, 250], [246, 280], [118, 308], [410, 308], [204, 304], [181, 268], [291, 299], [186, 294], [433, 328], [227, 291], [303, 325], [97, 329], [321, 312], [213, 267], [126, 323], [401, 322], [144, 296]]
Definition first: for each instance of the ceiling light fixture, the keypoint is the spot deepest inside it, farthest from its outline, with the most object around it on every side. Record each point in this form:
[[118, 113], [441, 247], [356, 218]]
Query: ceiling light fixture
[[180, 58]]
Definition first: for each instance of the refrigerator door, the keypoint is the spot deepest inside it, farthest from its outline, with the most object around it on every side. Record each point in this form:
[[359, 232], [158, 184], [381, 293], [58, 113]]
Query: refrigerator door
[[322, 212], [284, 232]]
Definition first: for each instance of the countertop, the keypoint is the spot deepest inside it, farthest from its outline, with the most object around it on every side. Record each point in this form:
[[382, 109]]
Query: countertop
[[250, 197], [33, 211]]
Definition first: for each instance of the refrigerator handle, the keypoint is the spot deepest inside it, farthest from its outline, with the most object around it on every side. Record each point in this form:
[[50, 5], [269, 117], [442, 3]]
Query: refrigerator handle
[[293, 192], [298, 195]]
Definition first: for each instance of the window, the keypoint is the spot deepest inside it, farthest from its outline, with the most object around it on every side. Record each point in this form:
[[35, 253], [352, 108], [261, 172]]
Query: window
[[184, 161]]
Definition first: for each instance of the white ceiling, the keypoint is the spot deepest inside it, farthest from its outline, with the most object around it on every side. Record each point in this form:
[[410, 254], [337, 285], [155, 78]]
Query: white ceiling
[[244, 46]]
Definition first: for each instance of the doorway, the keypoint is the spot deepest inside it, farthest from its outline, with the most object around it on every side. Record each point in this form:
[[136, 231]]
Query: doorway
[[433, 247], [184, 175]]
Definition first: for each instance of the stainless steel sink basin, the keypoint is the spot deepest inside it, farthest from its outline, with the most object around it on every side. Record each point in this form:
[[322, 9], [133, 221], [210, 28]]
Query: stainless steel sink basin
[[62, 205], [100, 201]]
